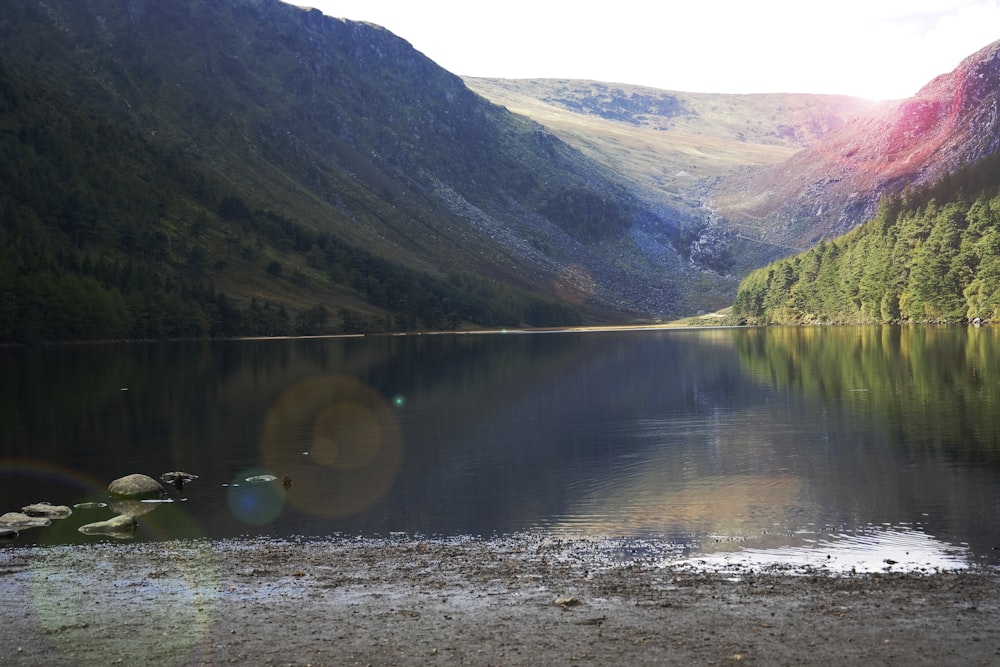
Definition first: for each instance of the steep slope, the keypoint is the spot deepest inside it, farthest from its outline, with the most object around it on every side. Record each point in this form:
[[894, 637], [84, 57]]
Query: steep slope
[[835, 184], [281, 139]]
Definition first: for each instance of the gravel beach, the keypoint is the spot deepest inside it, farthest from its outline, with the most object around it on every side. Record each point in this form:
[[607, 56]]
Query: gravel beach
[[509, 601]]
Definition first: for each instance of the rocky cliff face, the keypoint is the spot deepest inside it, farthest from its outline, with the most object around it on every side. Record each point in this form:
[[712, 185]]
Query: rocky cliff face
[[828, 188]]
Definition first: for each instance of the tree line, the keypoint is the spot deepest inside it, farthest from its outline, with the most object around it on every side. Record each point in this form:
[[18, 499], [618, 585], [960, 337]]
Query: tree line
[[930, 254]]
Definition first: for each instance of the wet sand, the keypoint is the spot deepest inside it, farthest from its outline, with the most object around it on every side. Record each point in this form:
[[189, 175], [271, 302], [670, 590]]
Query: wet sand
[[512, 601]]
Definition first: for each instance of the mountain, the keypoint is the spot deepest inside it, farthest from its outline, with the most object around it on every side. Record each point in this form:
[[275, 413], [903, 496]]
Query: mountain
[[674, 146], [233, 166], [834, 185], [764, 176]]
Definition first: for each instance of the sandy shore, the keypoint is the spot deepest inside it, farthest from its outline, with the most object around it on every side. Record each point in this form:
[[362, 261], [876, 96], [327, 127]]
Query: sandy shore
[[517, 601]]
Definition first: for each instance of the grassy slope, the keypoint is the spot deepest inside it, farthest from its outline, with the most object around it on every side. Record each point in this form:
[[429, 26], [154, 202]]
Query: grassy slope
[[705, 137]]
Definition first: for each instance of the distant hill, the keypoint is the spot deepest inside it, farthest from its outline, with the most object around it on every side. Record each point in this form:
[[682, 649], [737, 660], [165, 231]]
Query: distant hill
[[672, 140], [676, 146]]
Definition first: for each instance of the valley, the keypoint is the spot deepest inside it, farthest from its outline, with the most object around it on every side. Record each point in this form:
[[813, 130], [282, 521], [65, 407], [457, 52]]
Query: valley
[[253, 167]]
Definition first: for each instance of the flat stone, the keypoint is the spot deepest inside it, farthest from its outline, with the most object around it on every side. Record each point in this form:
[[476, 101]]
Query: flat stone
[[90, 506], [20, 521], [121, 527], [47, 510], [261, 479]]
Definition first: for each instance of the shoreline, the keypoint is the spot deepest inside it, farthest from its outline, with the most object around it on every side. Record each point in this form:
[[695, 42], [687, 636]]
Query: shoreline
[[515, 600]]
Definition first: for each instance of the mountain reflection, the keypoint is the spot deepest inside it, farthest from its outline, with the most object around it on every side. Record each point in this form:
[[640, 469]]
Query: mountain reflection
[[713, 439]]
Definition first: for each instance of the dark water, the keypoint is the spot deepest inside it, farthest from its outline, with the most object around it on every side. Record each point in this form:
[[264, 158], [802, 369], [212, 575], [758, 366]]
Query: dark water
[[877, 443]]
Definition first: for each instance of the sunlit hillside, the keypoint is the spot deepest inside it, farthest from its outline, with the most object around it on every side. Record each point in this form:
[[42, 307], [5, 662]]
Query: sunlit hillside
[[670, 141]]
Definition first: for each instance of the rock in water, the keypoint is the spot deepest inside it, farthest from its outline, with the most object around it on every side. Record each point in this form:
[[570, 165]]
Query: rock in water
[[20, 521], [177, 479], [136, 486], [261, 479], [47, 510], [90, 506], [121, 527]]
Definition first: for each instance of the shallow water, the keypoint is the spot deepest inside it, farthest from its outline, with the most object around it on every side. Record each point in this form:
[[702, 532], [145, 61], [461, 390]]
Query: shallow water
[[861, 444]]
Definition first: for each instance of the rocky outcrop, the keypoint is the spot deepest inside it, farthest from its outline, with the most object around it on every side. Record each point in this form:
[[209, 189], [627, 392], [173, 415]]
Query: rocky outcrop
[[177, 478]]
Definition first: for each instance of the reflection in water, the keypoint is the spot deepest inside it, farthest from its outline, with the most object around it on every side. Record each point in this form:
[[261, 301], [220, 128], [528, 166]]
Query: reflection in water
[[731, 505], [876, 549], [716, 440]]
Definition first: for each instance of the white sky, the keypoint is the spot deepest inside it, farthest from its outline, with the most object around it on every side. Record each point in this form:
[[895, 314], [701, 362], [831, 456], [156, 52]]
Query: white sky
[[879, 49]]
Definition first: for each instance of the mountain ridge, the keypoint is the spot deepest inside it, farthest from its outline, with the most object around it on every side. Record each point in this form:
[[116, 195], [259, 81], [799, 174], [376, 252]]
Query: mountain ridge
[[759, 206], [827, 189], [263, 167], [332, 128]]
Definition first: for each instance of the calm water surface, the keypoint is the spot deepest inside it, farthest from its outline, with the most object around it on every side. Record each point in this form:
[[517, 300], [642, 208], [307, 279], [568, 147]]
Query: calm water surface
[[854, 444]]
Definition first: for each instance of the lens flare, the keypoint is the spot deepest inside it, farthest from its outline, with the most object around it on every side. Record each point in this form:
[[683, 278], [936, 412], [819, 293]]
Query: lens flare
[[351, 439], [256, 503], [346, 436], [176, 579], [176, 587]]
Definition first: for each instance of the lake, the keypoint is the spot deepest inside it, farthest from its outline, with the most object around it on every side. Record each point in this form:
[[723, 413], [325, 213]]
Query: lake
[[857, 445]]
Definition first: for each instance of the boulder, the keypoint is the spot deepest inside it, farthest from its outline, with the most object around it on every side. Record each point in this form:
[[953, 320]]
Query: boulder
[[136, 486], [121, 527], [47, 510]]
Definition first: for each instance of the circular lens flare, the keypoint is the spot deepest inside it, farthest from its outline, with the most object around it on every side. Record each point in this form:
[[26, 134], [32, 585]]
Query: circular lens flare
[[255, 503], [346, 436], [352, 439]]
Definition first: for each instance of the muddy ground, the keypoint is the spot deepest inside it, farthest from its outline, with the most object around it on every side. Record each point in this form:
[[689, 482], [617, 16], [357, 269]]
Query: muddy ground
[[517, 601]]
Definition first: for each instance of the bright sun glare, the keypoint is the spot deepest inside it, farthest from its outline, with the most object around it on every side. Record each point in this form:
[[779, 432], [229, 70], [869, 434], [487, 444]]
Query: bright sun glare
[[877, 50]]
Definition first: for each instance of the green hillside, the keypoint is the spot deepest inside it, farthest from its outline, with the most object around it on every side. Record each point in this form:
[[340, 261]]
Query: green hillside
[[196, 168], [929, 255], [105, 234]]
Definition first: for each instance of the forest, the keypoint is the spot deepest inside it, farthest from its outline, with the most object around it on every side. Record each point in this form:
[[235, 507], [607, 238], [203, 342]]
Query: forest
[[106, 235], [930, 255]]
